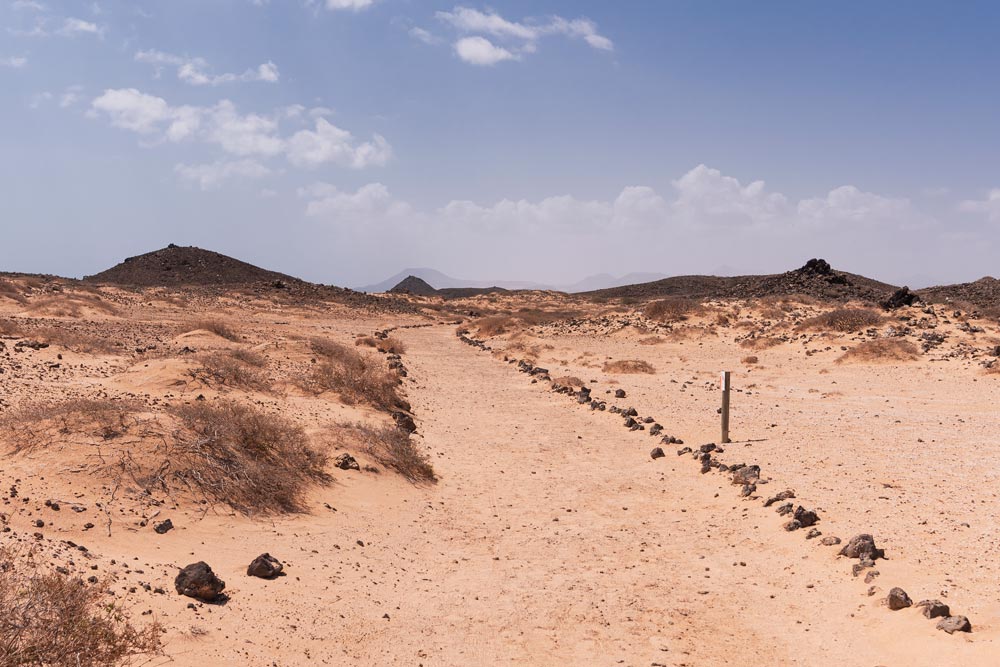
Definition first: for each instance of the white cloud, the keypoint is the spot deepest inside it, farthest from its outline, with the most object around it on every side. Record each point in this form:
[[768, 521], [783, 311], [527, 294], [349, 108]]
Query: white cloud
[[73, 26], [194, 71], [478, 50], [14, 62], [849, 204], [424, 36], [331, 144], [481, 51], [990, 206], [70, 96], [353, 5], [213, 176], [29, 5], [240, 134], [706, 196], [370, 201]]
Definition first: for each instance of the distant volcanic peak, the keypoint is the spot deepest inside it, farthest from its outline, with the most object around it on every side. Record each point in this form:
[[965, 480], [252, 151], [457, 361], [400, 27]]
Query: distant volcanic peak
[[413, 285], [177, 265]]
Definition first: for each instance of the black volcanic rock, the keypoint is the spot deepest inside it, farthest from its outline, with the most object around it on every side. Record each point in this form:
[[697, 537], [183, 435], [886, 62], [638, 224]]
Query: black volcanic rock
[[413, 285], [176, 265]]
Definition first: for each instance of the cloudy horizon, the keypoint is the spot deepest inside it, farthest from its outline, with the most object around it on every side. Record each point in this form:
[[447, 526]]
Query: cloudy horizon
[[345, 140]]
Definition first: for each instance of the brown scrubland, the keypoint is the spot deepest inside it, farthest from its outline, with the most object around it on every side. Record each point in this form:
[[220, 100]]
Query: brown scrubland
[[494, 478]]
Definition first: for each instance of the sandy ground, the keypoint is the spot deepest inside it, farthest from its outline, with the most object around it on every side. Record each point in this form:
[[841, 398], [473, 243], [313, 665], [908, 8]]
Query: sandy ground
[[552, 538]]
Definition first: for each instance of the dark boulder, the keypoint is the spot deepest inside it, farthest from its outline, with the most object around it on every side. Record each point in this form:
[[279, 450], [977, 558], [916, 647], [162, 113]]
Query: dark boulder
[[951, 624], [657, 453], [198, 581], [934, 608], [265, 566], [862, 546], [901, 297], [346, 462], [164, 526], [898, 599]]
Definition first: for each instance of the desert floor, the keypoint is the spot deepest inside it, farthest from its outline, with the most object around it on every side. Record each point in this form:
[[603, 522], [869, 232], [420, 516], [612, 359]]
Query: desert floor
[[551, 536]]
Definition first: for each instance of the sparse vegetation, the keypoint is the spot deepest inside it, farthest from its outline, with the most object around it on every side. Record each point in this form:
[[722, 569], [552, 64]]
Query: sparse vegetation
[[218, 327], [651, 340], [36, 424], [250, 459], [52, 620], [844, 320], [674, 309], [628, 366], [71, 305], [570, 381], [881, 349], [749, 360], [235, 368], [493, 325], [392, 448], [356, 377]]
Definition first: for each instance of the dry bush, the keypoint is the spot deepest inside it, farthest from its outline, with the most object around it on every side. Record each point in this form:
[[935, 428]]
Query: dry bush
[[570, 381], [77, 341], [240, 455], [354, 376], [218, 327], [674, 309], [392, 448], [749, 360], [628, 366], [10, 328], [52, 620], [493, 325], [651, 340], [40, 423], [535, 316], [843, 320], [71, 305], [234, 368], [367, 341], [391, 345], [881, 349], [11, 291], [760, 342]]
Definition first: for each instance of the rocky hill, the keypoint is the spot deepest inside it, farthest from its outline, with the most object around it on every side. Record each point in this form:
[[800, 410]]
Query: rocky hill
[[176, 265]]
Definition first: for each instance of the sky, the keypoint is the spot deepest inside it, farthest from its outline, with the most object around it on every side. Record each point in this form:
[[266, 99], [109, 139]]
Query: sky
[[344, 140]]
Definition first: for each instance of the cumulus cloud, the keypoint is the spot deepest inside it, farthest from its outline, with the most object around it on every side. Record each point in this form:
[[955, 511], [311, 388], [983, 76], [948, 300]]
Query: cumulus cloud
[[849, 204], [14, 62], [372, 200], [522, 36], [194, 71], [353, 5], [29, 5], [212, 176], [424, 36], [73, 26], [239, 134], [706, 196], [990, 207], [481, 51]]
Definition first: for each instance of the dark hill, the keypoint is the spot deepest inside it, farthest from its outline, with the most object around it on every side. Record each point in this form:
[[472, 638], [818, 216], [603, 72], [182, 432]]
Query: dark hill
[[816, 279], [984, 293], [176, 265], [413, 285]]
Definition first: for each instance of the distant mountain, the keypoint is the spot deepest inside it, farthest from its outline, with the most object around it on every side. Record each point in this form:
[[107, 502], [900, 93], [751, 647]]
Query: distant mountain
[[176, 265], [439, 281], [413, 285]]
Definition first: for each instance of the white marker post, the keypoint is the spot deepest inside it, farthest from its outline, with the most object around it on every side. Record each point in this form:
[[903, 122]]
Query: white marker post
[[724, 383]]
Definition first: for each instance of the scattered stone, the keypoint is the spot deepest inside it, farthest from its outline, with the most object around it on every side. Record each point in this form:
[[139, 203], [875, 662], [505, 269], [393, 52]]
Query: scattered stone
[[746, 475], [747, 490], [813, 533], [783, 495], [787, 508], [933, 608], [710, 447], [862, 546], [198, 581], [952, 624], [164, 526], [657, 453], [346, 462], [901, 297], [805, 517], [830, 540], [898, 599], [619, 393], [265, 566], [871, 575], [792, 525], [683, 450], [404, 422]]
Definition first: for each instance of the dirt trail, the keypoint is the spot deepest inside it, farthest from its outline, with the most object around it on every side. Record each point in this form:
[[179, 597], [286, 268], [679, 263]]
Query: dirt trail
[[553, 538]]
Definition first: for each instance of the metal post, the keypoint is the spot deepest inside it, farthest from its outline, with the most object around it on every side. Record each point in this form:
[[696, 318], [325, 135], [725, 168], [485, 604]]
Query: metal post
[[724, 382]]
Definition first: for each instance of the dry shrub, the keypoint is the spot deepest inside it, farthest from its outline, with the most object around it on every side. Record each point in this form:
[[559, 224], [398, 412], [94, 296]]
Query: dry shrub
[[240, 455], [71, 305], [535, 316], [10, 290], [750, 360], [392, 448], [356, 377], [52, 620], [77, 341], [651, 340], [218, 327], [36, 424], [881, 349], [367, 341], [843, 320], [391, 345], [493, 325], [628, 366], [760, 342], [570, 381], [10, 328], [234, 368], [673, 309]]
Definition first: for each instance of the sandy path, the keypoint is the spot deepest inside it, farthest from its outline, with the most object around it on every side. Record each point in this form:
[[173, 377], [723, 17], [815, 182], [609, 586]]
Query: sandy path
[[552, 538]]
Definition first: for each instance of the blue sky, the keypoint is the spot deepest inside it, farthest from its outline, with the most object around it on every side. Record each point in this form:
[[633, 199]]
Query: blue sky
[[342, 140]]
